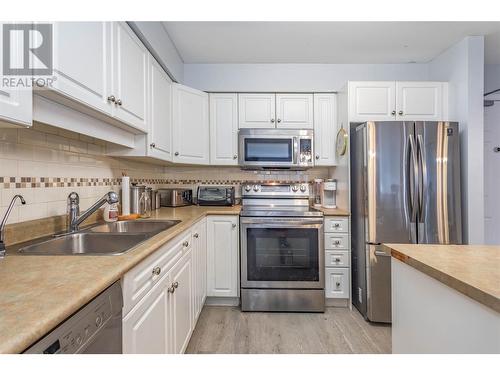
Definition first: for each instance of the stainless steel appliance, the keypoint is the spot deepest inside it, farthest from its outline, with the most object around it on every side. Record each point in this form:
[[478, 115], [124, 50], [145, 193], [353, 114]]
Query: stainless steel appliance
[[405, 180], [94, 329], [175, 197], [282, 262], [275, 149], [216, 195], [137, 199]]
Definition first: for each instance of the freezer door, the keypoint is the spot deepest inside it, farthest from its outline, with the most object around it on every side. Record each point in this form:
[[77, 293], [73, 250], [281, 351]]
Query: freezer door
[[391, 173], [379, 284], [439, 200]]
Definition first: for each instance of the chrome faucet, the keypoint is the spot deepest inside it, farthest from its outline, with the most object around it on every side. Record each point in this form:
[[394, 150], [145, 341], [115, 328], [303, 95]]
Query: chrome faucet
[[4, 221], [75, 219]]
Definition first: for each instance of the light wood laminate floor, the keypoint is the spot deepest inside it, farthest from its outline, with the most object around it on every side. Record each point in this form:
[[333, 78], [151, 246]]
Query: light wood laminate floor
[[339, 330]]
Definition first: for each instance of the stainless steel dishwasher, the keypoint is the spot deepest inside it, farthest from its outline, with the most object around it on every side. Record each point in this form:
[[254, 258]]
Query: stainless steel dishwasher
[[94, 329]]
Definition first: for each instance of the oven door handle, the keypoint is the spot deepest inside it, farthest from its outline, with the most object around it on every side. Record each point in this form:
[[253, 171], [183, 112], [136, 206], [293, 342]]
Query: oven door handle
[[276, 222]]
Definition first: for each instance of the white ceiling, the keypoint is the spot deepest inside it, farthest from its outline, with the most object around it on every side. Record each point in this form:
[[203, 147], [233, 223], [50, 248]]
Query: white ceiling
[[325, 42]]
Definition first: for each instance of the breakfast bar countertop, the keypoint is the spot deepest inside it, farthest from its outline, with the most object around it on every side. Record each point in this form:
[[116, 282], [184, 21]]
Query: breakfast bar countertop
[[473, 270], [37, 293]]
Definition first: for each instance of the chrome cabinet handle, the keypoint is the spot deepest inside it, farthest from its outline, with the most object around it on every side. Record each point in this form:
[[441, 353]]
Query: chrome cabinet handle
[[496, 149], [175, 285], [279, 120], [337, 260], [176, 153], [171, 289], [393, 113], [119, 102], [234, 225], [185, 244], [153, 145], [337, 284], [272, 120], [156, 271], [336, 242], [317, 157], [111, 98], [235, 157], [380, 253], [336, 225], [400, 113], [196, 235]]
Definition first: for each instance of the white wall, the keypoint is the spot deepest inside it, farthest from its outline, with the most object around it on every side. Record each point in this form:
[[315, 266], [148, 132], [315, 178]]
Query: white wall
[[156, 38], [462, 65], [491, 158], [294, 77]]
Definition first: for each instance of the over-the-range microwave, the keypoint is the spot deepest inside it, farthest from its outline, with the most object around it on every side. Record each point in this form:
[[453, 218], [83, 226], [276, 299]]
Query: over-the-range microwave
[[275, 149]]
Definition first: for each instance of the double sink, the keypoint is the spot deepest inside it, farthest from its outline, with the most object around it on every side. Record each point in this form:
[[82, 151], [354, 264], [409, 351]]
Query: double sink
[[103, 239]]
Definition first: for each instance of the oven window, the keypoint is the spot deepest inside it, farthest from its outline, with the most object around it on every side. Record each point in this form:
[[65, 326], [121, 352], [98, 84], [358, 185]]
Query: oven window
[[282, 254], [266, 149]]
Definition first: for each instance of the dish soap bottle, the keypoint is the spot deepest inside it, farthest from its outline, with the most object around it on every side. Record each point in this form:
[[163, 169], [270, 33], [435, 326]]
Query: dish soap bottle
[[110, 212]]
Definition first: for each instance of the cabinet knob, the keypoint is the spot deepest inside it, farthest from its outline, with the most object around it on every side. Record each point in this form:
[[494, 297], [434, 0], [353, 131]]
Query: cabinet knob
[[196, 235], [153, 145], [496, 149], [337, 260], [235, 157], [171, 289], [185, 244], [400, 113], [111, 98], [336, 225], [234, 225], [272, 120], [119, 102], [337, 242], [156, 271], [279, 120], [393, 113], [176, 153], [175, 285], [317, 157], [337, 284]]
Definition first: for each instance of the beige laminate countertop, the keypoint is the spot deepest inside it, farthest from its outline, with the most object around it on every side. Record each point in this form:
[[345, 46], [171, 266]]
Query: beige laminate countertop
[[473, 270], [39, 292]]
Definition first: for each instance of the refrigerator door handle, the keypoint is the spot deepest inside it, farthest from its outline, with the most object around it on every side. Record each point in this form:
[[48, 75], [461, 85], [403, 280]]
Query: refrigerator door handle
[[422, 182], [412, 159]]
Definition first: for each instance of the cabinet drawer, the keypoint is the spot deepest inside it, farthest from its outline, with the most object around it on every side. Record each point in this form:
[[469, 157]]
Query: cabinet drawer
[[336, 241], [140, 279], [337, 258], [337, 225], [337, 283]]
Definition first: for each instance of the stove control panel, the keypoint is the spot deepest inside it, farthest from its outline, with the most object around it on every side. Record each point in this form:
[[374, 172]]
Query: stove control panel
[[300, 190]]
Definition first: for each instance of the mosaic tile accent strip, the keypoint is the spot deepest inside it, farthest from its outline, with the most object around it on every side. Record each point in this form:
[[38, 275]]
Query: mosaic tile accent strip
[[48, 182]]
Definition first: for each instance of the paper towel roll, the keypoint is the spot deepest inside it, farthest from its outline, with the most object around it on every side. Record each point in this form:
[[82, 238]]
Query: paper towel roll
[[125, 195]]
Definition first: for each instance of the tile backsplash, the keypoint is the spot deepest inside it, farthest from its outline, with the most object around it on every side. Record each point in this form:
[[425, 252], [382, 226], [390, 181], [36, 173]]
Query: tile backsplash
[[45, 164]]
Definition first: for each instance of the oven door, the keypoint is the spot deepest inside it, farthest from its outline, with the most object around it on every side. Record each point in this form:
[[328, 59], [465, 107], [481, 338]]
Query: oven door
[[279, 151], [282, 253]]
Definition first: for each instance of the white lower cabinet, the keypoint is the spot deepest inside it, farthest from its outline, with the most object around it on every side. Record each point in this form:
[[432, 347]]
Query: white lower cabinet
[[337, 282], [222, 256], [199, 245]]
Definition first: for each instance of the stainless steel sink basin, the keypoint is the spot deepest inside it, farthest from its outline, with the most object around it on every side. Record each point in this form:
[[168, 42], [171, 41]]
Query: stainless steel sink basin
[[86, 244], [134, 226]]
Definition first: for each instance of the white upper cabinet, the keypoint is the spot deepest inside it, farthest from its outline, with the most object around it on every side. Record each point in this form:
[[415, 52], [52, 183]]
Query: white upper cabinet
[[419, 101], [257, 110], [190, 125], [372, 101], [223, 129], [83, 69], [16, 106], [130, 77], [294, 111], [160, 129], [325, 129], [222, 256]]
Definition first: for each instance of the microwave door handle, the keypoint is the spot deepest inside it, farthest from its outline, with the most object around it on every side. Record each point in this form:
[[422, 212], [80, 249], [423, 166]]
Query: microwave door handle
[[295, 150]]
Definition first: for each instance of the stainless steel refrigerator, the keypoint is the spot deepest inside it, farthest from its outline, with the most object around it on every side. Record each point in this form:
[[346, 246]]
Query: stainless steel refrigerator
[[405, 188]]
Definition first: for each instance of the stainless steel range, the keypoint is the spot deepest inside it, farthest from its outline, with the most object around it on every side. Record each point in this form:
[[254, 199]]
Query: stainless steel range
[[282, 265]]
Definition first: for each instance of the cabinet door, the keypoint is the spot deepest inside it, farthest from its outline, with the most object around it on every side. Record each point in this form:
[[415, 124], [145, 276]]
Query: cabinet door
[[190, 126], [222, 256], [130, 64], [181, 303], [82, 63], [223, 129], [257, 110], [337, 283], [372, 101], [16, 106], [199, 267], [419, 101], [160, 129], [146, 328], [325, 129], [294, 111]]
